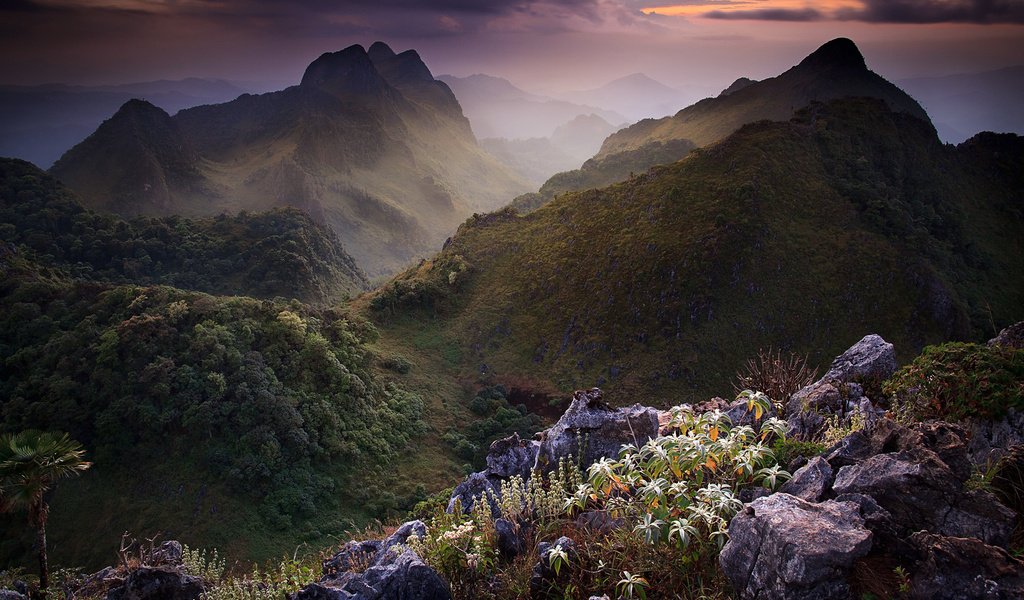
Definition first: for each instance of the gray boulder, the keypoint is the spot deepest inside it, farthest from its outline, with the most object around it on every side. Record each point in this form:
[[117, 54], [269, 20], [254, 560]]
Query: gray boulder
[[389, 569], [990, 439], [869, 360], [1011, 337], [511, 538], [158, 583], [12, 595], [601, 429], [512, 456], [506, 458], [476, 486], [784, 548], [812, 482], [955, 568], [921, 492]]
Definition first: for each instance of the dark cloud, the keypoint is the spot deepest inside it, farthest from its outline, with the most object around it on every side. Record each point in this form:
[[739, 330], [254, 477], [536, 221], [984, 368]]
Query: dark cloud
[[937, 11], [767, 14]]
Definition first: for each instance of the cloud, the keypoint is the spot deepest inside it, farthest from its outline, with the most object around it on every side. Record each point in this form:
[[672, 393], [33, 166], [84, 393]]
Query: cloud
[[767, 14], [937, 11]]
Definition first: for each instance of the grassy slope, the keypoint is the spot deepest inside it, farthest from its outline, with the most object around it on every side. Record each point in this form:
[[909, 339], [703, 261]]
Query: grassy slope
[[799, 235]]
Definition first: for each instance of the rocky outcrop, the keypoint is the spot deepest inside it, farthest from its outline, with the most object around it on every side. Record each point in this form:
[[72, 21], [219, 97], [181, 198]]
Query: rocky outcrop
[[590, 430], [506, 458], [811, 482], [782, 547], [841, 391], [953, 568], [158, 583], [378, 570], [1011, 337]]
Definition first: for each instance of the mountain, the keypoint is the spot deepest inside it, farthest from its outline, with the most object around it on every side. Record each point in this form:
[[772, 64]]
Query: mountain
[[281, 253], [582, 137], [801, 234], [498, 109], [961, 105], [637, 96], [835, 70], [368, 143], [537, 159], [40, 123]]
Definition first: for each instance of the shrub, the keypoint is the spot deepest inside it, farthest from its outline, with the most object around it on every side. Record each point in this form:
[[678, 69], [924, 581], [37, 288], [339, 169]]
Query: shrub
[[958, 380], [774, 375]]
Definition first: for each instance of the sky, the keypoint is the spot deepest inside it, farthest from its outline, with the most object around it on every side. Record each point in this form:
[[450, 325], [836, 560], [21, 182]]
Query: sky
[[542, 45]]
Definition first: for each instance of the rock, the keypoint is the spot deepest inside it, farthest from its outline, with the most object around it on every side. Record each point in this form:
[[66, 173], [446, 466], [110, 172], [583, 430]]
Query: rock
[[921, 492], [167, 553], [543, 574], [739, 415], [752, 492], [812, 482], [1011, 337], [12, 595], [869, 362], [599, 521], [955, 568], [872, 359], [401, 535], [158, 583], [782, 547], [353, 556], [389, 570], [404, 576], [602, 429], [990, 439], [473, 488], [512, 456], [506, 458], [511, 540]]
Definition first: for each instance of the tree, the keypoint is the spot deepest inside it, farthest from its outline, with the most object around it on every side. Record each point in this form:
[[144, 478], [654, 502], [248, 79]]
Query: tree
[[31, 463]]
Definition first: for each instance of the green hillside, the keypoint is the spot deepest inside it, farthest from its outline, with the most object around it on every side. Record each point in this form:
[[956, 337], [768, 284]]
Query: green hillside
[[278, 253], [247, 423], [805, 235]]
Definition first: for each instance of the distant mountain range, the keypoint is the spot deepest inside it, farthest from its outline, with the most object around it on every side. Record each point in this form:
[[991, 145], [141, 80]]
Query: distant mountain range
[[498, 109], [368, 143], [637, 96], [836, 70], [39, 123], [962, 105]]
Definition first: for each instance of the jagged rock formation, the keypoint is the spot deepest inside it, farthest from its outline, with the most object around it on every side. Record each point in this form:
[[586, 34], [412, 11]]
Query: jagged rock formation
[[368, 143], [378, 570]]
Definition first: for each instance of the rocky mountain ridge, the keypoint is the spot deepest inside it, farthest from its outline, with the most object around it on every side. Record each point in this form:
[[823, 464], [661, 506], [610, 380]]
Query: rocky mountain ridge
[[368, 143]]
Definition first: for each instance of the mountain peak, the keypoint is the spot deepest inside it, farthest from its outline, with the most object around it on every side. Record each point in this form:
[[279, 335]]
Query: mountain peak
[[380, 51], [139, 107], [840, 52], [349, 70]]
